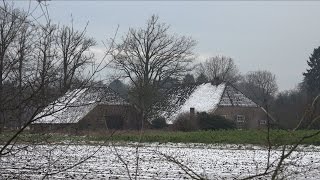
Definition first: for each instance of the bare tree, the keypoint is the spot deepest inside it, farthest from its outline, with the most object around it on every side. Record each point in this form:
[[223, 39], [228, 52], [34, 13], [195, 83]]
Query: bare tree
[[73, 47], [220, 68], [45, 54], [261, 86], [11, 22], [29, 66], [149, 57], [23, 50]]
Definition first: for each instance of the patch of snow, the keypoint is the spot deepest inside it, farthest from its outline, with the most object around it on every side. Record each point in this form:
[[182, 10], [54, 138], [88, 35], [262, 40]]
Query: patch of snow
[[212, 161], [204, 98], [58, 107]]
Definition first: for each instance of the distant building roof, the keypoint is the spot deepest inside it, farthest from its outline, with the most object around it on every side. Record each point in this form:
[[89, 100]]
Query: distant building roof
[[75, 104], [204, 98]]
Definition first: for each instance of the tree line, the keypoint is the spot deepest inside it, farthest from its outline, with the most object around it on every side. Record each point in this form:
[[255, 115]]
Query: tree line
[[154, 60], [38, 63]]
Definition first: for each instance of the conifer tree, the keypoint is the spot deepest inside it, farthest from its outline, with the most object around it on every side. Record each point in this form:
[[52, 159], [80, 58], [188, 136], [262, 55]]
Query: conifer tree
[[188, 79], [202, 78], [312, 76]]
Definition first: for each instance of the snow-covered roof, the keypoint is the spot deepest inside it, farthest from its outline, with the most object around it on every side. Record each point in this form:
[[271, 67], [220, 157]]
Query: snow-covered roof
[[75, 104], [204, 98], [175, 99]]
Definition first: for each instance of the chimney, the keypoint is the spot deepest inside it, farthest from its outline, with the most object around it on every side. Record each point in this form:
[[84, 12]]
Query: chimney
[[192, 114]]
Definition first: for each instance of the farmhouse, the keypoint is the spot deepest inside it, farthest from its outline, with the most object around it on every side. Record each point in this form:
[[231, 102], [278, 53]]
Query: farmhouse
[[220, 99], [100, 108], [92, 108]]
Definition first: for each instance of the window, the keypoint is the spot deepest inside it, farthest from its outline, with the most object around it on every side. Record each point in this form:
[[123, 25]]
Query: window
[[240, 119], [114, 122], [263, 122], [238, 98], [224, 116]]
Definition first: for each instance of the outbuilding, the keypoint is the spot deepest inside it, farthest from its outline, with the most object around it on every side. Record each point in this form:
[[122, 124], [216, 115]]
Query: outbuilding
[[91, 108]]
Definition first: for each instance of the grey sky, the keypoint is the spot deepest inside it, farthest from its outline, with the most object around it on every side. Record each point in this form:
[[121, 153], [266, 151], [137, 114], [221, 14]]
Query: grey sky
[[258, 35]]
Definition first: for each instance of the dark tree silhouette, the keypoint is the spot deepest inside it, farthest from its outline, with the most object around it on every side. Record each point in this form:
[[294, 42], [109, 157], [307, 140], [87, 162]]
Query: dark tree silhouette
[[220, 67], [150, 57], [312, 76], [188, 79], [202, 78]]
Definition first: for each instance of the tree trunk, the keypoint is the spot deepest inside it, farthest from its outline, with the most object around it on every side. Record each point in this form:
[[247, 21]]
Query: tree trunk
[[2, 120], [20, 94]]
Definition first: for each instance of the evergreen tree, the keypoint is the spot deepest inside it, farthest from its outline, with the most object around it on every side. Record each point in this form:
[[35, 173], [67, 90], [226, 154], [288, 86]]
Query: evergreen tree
[[202, 78], [188, 79], [119, 87], [312, 76]]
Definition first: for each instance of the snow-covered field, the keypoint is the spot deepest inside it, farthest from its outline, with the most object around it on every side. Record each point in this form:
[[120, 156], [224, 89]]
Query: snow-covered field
[[211, 161]]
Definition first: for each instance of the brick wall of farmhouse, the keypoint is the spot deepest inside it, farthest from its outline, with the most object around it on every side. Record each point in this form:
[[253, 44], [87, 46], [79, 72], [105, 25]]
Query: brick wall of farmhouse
[[244, 117], [111, 116]]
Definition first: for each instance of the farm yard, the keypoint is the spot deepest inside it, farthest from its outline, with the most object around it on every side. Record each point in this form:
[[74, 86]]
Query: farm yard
[[196, 90], [104, 161]]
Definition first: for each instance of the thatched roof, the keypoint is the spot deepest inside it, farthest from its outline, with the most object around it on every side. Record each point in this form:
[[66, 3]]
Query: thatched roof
[[75, 104], [203, 97]]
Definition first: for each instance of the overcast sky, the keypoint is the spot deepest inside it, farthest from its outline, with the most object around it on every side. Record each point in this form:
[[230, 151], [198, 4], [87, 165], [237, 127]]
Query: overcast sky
[[258, 35]]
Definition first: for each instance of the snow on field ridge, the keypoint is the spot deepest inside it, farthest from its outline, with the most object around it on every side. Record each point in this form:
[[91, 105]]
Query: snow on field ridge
[[214, 162]]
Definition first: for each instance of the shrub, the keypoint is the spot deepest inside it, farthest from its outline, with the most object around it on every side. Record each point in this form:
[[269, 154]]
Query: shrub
[[183, 123], [212, 122], [158, 123]]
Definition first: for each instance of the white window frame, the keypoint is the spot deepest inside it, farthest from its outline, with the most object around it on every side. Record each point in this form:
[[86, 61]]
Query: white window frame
[[223, 115], [262, 122], [238, 98], [241, 119]]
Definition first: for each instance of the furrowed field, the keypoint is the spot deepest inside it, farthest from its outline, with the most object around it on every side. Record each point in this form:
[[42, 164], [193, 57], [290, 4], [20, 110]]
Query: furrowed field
[[232, 154], [210, 161]]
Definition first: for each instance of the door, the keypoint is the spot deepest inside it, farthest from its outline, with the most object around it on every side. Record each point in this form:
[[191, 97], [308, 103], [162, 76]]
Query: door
[[114, 122]]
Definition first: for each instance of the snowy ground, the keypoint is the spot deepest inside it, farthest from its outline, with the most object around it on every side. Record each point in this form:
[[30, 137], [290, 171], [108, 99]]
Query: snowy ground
[[211, 161]]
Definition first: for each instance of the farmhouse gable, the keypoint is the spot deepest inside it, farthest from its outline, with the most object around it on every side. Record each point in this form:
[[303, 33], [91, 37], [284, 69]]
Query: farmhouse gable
[[89, 108], [220, 99]]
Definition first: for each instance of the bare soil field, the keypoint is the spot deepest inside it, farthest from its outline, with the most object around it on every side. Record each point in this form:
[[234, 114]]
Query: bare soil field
[[108, 161]]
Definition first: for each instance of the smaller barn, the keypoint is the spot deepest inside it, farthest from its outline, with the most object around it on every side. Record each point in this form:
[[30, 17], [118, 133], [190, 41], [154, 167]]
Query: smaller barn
[[220, 99], [92, 108]]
